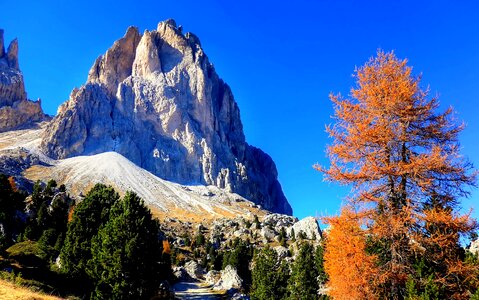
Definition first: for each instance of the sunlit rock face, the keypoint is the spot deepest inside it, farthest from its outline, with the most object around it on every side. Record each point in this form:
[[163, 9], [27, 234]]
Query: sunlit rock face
[[156, 99], [15, 109]]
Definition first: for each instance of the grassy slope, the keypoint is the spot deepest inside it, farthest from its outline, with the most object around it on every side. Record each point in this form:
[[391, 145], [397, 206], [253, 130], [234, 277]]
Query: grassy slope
[[10, 291]]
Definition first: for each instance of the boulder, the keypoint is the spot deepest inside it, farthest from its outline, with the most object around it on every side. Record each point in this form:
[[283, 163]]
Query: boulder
[[279, 220], [308, 226], [212, 277], [181, 274], [268, 234], [194, 270], [229, 279], [474, 248], [282, 252]]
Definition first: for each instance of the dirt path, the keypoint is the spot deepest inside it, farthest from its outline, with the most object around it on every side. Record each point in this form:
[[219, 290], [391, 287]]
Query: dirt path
[[195, 290]]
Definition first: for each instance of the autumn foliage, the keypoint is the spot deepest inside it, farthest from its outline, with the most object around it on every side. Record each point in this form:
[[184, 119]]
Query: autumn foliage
[[402, 160], [350, 269], [166, 247]]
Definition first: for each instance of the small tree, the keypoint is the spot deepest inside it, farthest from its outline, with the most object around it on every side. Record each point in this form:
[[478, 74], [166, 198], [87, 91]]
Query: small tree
[[351, 270], [282, 237], [200, 239], [303, 283], [257, 222], [239, 257], [269, 278], [319, 262]]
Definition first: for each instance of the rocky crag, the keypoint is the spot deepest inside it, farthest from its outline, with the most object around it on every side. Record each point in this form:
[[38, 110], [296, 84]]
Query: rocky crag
[[15, 109], [156, 99]]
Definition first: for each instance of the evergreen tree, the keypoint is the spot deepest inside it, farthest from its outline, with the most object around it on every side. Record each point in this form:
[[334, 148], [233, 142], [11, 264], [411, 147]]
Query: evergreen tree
[[58, 213], [47, 242], [200, 239], [257, 222], [48, 209], [126, 253], [87, 218], [239, 257], [282, 237], [319, 262], [303, 283], [11, 206], [37, 197], [269, 278]]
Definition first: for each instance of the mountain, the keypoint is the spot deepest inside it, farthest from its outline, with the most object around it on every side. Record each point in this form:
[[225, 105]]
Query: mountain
[[15, 109], [156, 99]]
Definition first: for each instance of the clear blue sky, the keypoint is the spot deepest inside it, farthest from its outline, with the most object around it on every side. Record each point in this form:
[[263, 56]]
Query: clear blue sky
[[281, 59]]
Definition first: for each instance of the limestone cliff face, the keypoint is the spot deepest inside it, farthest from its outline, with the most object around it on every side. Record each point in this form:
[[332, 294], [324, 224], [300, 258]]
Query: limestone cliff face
[[156, 99], [15, 109]]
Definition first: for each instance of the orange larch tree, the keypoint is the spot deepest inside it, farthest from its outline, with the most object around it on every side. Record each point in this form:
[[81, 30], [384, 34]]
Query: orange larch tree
[[350, 269], [402, 159]]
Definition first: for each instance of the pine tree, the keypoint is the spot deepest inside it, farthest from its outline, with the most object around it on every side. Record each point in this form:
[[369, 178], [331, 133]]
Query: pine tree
[[239, 257], [303, 283], [319, 262], [269, 277], [127, 252], [88, 216]]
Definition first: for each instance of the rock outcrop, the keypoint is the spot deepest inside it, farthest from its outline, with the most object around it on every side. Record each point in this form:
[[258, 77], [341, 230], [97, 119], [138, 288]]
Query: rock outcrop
[[474, 247], [194, 270], [15, 109], [156, 99], [308, 226], [212, 277], [229, 279]]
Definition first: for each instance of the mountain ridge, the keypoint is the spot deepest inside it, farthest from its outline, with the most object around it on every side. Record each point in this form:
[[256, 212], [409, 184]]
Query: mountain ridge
[[156, 99]]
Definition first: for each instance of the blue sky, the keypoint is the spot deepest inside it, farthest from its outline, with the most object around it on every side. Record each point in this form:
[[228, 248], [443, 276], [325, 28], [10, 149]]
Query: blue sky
[[281, 59]]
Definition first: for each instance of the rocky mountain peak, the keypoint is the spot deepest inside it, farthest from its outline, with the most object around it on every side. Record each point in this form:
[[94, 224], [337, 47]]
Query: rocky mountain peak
[[116, 64], [15, 109], [156, 99], [10, 58], [12, 55]]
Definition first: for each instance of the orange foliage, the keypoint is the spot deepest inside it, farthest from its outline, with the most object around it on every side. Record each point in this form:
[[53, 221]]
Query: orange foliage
[[351, 271], [166, 247], [443, 228], [70, 212], [398, 154], [11, 180]]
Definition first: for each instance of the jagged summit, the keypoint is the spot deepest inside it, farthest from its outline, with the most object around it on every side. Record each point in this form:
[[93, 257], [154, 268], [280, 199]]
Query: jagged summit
[[10, 58], [156, 99], [15, 109]]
